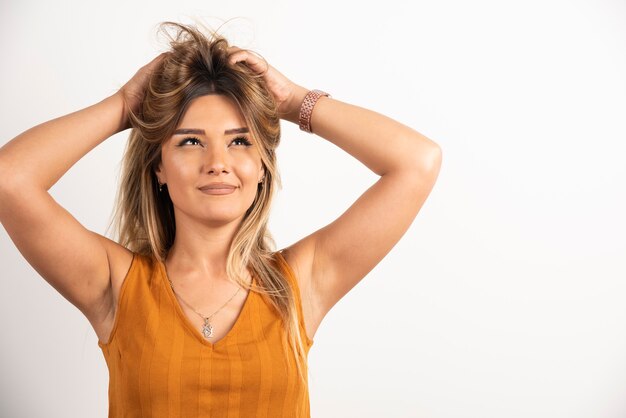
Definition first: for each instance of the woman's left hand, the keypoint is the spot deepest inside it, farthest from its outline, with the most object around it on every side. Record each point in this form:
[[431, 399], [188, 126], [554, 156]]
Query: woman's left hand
[[281, 88]]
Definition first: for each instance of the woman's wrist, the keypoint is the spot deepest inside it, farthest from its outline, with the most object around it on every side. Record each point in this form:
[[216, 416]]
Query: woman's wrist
[[293, 115], [118, 99]]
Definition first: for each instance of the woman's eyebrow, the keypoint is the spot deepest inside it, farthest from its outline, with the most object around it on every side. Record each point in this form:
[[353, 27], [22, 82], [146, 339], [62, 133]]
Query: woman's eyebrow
[[202, 132]]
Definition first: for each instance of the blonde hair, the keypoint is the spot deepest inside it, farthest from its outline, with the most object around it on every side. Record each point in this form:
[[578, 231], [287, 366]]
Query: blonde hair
[[197, 65]]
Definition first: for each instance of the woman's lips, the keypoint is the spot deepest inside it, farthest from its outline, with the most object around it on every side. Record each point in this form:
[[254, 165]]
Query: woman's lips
[[218, 190]]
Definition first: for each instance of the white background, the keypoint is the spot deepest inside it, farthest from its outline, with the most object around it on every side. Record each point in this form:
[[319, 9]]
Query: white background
[[506, 296]]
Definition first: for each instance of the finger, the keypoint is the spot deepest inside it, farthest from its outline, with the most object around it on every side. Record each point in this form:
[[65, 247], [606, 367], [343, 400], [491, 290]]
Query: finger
[[232, 49], [240, 55], [255, 61]]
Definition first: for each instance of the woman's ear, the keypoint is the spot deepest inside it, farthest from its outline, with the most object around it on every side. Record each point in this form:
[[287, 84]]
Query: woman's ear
[[158, 171]]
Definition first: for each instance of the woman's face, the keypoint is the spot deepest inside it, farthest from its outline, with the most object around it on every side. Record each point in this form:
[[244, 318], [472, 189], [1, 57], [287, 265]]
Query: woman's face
[[211, 144]]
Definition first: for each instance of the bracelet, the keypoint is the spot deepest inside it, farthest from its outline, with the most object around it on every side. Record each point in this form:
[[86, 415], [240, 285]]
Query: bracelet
[[306, 109]]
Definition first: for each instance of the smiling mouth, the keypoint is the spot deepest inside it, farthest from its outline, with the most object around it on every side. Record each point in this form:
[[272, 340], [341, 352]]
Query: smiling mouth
[[218, 190]]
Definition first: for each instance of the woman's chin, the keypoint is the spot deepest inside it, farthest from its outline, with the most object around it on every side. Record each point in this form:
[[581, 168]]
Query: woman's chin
[[215, 219]]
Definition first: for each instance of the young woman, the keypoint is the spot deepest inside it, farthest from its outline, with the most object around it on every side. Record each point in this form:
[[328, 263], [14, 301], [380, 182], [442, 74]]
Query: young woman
[[196, 312]]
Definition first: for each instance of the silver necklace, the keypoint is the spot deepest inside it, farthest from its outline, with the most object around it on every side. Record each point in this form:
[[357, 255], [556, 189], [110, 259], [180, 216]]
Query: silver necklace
[[207, 328]]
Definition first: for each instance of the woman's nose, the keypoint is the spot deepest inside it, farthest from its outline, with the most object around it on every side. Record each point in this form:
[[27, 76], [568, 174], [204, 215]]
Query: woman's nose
[[216, 159]]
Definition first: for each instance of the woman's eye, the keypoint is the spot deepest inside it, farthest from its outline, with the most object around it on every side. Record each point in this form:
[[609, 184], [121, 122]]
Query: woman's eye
[[189, 140], [240, 140], [243, 140]]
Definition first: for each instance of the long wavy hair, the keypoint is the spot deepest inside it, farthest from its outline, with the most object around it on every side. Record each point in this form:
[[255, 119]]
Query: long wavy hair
[[195, 65]]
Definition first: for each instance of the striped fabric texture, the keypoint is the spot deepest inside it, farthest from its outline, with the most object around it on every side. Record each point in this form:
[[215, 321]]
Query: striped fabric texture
[[160, 365]]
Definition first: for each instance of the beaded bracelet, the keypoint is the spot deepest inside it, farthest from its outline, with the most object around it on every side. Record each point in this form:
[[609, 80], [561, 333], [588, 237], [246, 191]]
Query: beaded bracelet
[[306, 109]]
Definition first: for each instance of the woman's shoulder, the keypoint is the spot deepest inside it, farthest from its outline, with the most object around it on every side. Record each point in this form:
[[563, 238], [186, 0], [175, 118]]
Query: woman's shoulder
[[290, 262], [119, 259], [295, 259], [121, 262], [280, 258]]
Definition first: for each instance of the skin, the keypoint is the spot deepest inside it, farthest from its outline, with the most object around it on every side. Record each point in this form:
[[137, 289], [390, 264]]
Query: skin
[[206, 224], [327, 263]]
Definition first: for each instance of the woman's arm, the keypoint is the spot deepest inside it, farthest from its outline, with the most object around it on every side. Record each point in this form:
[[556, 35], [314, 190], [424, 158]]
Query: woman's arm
[[41, 155], [381, 143], [336, 257], [75, 261], [333, 259], [38, 157]]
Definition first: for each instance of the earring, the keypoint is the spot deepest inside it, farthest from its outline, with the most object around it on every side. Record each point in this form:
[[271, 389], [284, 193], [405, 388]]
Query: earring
[[161, 187]]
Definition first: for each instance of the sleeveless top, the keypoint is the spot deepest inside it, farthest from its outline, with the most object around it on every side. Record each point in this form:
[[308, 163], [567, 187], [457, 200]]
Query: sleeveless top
[[160, 365]]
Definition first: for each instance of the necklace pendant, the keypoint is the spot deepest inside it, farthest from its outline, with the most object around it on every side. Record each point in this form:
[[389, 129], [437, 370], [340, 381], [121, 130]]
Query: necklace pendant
[[207, 329]]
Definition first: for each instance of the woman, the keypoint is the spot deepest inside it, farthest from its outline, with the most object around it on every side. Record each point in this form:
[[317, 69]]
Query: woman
[[195, 311]]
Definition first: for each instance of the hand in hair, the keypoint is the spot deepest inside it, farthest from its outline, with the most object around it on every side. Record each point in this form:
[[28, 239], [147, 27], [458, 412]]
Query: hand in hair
[[281, 88], [134, 90]]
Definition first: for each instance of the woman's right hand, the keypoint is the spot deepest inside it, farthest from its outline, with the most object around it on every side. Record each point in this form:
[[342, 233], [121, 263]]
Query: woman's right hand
[[134, 90]]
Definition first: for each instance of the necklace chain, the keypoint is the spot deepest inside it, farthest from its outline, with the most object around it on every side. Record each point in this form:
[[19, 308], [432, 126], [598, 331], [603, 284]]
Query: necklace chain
[[207, 328]]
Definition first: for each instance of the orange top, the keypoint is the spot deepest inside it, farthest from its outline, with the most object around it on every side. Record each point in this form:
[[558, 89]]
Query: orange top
[[160, 365]]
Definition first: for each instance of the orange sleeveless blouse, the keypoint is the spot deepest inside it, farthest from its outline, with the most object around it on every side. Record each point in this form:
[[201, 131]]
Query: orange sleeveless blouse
[[160, 365]]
